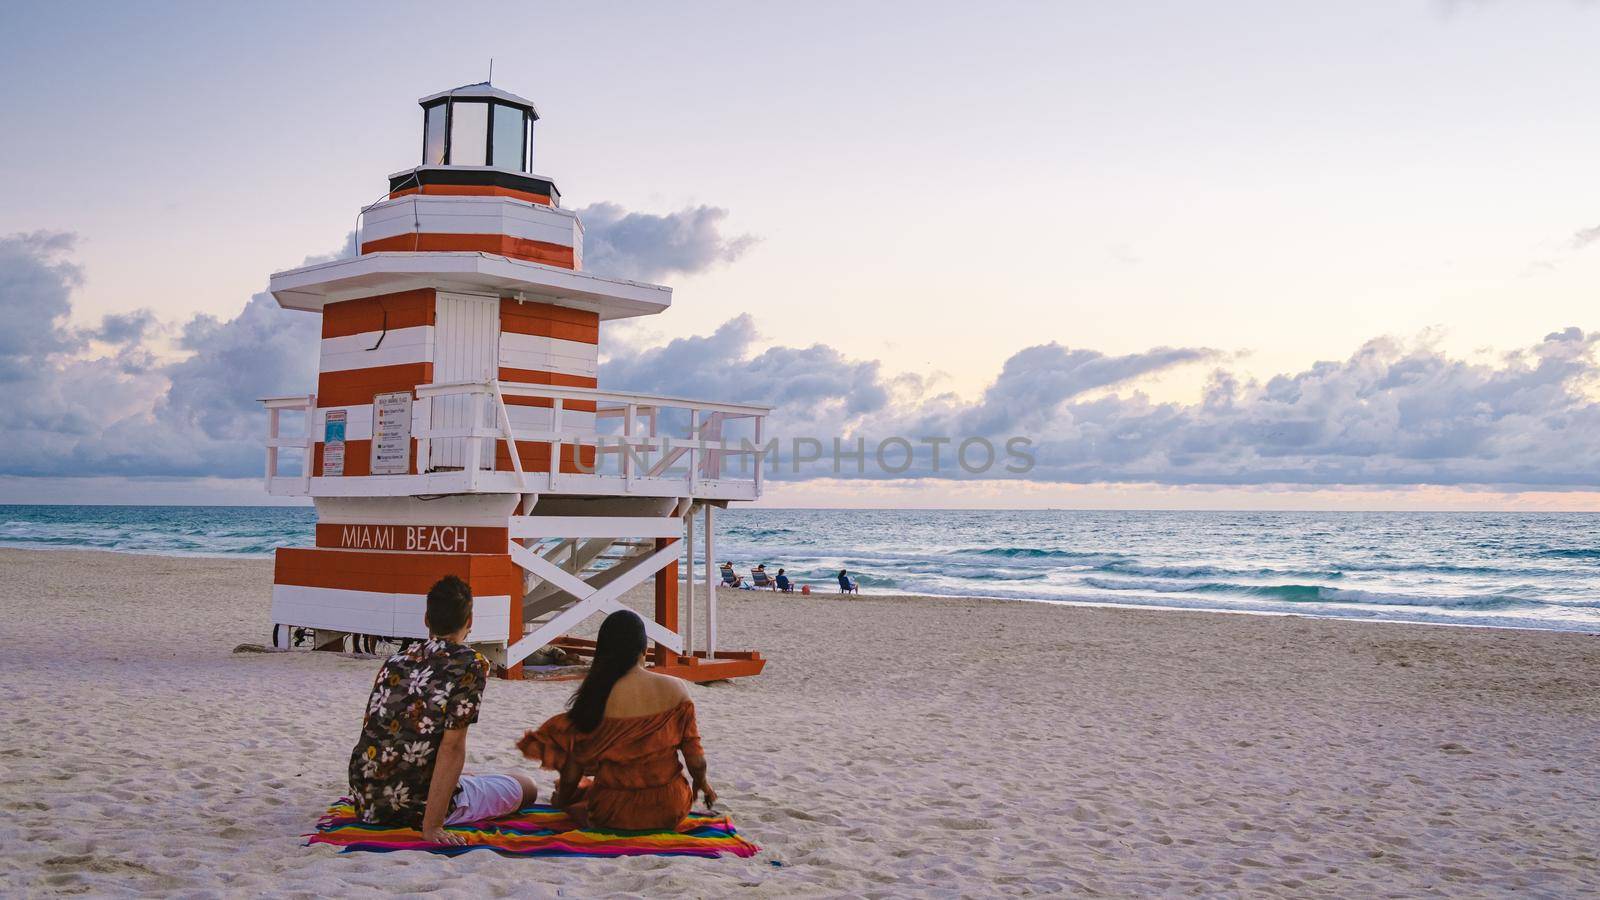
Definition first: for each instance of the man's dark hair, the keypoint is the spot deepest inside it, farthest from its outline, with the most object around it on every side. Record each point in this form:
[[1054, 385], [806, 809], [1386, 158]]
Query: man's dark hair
[[449, 605]]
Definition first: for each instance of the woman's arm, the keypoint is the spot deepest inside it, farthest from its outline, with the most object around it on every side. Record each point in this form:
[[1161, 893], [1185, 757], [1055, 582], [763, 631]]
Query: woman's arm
[[697, 777], [567, 786]]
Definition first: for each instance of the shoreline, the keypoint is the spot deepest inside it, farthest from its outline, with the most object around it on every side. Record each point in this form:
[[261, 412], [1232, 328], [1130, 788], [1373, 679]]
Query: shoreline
[[924, 598], [975, 597]]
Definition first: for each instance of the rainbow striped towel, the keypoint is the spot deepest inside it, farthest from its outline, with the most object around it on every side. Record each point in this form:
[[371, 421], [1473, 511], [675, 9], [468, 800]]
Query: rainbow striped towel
[[538, 831]]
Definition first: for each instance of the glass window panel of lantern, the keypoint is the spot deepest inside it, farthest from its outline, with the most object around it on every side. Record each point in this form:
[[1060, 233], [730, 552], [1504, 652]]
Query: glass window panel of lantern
[[469, 133], [433, 137], [508, 133]]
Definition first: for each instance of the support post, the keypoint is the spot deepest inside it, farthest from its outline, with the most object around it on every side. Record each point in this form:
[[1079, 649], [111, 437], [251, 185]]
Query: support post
[[666, 603], [688, 582], [474, 442], [630, 412], [310, 444], [556, 411], [761, 455], [711, 588], [694, 458]]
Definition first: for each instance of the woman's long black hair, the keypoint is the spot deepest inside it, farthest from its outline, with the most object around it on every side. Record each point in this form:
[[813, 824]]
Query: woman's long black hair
[[616, 651]]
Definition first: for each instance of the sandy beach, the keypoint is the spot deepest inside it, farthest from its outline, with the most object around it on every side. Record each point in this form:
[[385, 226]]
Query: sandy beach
[[894, 746]]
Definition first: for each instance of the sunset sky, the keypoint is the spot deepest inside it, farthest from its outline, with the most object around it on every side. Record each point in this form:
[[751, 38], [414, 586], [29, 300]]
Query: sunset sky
[[1239, 254]]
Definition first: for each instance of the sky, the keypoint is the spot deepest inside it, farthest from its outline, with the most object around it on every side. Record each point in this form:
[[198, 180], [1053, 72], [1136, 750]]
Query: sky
[[1241, 254]]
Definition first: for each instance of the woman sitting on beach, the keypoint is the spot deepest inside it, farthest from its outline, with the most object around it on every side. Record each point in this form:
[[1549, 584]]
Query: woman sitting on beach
[[626, 727]]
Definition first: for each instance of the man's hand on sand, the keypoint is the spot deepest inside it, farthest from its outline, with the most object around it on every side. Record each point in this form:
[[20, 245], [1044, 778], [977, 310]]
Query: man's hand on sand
[[438, 835]]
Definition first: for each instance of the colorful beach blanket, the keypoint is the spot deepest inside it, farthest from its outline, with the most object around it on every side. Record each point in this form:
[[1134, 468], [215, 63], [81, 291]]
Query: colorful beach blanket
[[538, 831]]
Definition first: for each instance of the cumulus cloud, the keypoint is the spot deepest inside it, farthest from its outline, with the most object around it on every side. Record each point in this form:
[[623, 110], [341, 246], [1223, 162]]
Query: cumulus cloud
[[1393, 413], [816, 385], [70, 407], [649, 247], [65, 410], [99, 400]]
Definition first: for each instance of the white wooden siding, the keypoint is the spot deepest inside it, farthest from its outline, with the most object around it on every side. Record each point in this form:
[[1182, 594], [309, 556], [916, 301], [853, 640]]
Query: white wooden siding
[[546, 354], [470, 215], [537, 418], [396, 347], [380, 613], [466, 342], [357, 425]]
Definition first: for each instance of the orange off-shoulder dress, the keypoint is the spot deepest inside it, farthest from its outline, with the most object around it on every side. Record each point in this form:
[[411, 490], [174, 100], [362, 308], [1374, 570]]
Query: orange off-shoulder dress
[[639, 781]]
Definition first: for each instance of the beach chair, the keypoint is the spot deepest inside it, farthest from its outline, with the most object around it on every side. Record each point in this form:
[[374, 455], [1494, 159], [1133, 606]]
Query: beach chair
[[762, 581], [730, 578], [847, 585]]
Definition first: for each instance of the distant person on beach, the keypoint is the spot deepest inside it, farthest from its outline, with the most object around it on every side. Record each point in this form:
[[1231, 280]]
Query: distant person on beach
[[627, 727], [847, 585], [730, 578], [406, 768], [784, 584]]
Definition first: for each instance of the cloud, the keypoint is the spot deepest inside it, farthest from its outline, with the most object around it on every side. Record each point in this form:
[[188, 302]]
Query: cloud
[[1583, 237], [99, 399], [66, 411], [815, 384], [132, 411], [1393, 413], [650, 247], [36, 284]]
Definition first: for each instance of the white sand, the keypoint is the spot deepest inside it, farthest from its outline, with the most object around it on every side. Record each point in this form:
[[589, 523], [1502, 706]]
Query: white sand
[[892, 747]]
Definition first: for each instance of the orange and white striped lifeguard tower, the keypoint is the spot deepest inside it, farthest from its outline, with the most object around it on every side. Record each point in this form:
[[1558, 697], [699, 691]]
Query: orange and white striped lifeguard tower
[[458, 427]]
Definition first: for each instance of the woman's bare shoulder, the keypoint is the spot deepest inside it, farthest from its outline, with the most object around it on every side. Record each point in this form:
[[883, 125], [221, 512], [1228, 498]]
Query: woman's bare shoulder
[[670, 687], [644, 692]]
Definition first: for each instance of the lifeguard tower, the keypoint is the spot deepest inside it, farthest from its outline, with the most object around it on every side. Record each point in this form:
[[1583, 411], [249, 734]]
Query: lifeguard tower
[[458, 428]]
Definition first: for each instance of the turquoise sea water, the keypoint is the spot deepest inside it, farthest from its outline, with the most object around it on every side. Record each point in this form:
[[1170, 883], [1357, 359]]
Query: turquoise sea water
[[1509, 569]]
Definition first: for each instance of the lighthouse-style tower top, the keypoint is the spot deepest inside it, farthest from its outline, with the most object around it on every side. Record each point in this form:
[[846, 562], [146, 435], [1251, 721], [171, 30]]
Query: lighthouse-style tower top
[[478, 135], [469, 295]]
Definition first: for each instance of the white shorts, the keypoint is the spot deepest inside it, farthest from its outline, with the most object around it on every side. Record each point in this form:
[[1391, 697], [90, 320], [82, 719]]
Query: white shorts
[[480, 797]]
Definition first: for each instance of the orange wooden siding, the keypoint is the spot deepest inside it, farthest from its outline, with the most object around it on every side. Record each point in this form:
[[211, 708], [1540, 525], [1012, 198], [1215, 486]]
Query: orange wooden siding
[[395, 537], [487, 575], [545, 320], [557, 379], [501, 244], [406, 309], [473, 190], [536, 457], [357, 386]]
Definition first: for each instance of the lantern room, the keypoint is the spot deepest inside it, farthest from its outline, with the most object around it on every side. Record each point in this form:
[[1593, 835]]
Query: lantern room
[[478, 125]]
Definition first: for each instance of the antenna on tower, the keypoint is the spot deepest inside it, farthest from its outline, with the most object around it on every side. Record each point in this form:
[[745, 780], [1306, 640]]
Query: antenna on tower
[[491, 70]]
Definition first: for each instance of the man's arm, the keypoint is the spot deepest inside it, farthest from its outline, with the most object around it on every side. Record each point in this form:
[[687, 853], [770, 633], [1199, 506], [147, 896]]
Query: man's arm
[[446, 774]]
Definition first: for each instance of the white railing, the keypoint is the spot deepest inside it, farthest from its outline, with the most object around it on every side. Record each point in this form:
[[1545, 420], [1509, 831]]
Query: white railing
[[277, 482], [635, 451], [638, 443]]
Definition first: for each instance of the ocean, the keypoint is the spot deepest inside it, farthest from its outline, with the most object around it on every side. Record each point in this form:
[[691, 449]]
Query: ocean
[[1529, 570]]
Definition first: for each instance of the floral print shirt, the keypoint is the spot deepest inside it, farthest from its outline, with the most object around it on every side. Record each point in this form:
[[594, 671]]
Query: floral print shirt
[[421, 692]]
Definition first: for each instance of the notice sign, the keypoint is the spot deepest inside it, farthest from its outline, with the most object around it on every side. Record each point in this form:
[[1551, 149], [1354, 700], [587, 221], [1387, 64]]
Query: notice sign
[[391, 433], [333, 423]]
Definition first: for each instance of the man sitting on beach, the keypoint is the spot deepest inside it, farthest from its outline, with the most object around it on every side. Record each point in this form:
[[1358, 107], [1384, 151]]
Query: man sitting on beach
[[406, 768]]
